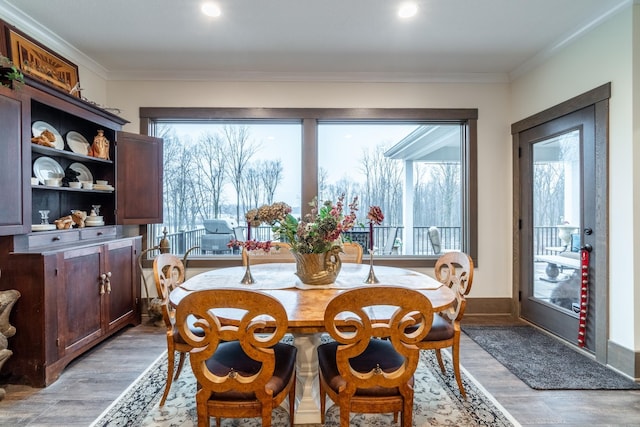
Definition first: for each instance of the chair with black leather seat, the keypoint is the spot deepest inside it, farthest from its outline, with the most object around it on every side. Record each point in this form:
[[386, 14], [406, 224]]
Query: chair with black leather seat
[[168, 273], [454, 269], [370, 366], [242, 368]]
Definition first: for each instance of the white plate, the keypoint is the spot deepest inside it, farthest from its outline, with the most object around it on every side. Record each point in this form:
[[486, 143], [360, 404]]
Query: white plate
[[77, 143], [94, 224], [38, 127], [43, 227], [44, 166], [103, 187], [85, 173]]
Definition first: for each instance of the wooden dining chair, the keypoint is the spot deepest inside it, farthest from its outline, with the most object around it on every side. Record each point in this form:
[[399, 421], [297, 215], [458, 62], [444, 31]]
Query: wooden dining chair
[[280, 252], [242, 368], [168, 273], [370, 366], [351, 252], [454, 269]]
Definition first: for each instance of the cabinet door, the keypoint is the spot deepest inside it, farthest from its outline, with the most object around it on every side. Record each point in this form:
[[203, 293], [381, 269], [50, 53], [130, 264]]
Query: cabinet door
[[14, 217], [138, 179], [123, 286], [79, 303]]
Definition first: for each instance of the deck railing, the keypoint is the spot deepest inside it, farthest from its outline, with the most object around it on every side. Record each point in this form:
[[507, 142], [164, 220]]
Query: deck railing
[[450, 238], [182, 241]]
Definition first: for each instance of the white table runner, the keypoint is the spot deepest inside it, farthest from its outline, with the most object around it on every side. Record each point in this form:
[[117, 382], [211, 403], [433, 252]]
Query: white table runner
[[282, 276]]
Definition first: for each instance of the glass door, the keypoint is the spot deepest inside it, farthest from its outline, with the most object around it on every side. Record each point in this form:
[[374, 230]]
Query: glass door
[[557, 163]]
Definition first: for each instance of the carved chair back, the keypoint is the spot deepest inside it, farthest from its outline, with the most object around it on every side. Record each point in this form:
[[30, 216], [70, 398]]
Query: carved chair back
[[455, 269], [280, 252], [350, 319]]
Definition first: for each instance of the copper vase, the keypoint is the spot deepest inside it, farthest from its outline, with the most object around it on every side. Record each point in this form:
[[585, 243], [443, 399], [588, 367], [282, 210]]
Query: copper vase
[[318, 269]]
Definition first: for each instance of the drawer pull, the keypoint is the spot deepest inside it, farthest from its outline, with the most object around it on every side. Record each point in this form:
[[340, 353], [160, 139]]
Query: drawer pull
[[101, 281], [99, 233], [108, 282], [56, 238]]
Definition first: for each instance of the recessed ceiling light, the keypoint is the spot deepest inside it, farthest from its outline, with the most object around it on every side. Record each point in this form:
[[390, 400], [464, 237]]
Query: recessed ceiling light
[[211, 9], [407, 10]]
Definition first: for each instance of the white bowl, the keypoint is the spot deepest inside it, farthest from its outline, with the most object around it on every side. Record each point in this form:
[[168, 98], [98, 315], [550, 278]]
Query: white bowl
[[101, 182], [87, 185], [75, 184], [53, 182], [35, 181]]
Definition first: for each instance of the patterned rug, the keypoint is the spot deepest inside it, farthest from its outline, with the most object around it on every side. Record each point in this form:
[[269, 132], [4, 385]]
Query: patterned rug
[[437, 402]]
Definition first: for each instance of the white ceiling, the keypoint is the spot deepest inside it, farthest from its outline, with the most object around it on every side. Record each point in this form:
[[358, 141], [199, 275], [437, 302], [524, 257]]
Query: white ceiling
[[354, 40]]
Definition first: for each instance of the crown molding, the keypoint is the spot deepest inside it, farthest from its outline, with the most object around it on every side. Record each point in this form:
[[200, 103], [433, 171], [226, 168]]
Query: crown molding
[[34, 29], [542, 56], [329, 77]]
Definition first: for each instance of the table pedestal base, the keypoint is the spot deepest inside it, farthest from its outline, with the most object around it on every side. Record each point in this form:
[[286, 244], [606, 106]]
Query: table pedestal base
[[307, 387]]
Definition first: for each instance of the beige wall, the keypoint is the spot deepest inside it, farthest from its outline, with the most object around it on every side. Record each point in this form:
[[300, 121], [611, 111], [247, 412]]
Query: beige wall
[[601, 56]]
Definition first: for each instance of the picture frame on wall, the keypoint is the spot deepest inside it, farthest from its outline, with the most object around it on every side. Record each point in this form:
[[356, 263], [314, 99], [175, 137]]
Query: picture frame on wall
[[39, 62]]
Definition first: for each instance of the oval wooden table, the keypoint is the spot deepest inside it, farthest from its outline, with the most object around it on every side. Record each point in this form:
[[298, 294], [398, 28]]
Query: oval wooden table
[[305, 306]]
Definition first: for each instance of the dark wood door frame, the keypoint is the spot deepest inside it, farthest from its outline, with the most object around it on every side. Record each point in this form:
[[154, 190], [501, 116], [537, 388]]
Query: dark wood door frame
[[599, 98]]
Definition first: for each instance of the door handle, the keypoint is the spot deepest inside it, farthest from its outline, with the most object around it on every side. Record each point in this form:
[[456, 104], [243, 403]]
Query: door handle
[[587, 247], [588, 231], [108, 282], [101, 280]]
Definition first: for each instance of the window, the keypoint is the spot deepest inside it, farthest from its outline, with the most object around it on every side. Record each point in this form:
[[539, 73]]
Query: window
[[417, 164]]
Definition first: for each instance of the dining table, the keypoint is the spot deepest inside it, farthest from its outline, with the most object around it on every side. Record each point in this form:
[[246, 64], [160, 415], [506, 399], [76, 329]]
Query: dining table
[[305, 306]]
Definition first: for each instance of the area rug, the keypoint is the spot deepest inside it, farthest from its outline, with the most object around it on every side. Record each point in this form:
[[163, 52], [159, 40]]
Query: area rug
[[437, 402], [544, 362]]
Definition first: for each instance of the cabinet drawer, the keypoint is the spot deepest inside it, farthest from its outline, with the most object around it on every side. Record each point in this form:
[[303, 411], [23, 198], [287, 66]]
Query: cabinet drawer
[[53, 238], [97, 232]]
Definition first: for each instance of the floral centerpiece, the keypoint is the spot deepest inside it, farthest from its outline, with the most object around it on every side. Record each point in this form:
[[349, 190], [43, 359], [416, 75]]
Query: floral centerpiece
[[315, 240], [321, 230]]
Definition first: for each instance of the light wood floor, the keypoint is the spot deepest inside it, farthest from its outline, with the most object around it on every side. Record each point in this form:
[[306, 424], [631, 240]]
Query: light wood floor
[[93, 381]]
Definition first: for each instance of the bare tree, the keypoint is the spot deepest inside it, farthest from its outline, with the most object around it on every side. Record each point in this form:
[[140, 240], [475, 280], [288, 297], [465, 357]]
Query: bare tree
[[446, 177], [240, 150], [179, 173], [210, 155], [271, 176], [383, 184], [251, 188], [323, 179], [548, 193]]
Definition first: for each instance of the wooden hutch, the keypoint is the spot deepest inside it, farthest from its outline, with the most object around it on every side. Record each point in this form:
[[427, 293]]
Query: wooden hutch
[[78, 285]]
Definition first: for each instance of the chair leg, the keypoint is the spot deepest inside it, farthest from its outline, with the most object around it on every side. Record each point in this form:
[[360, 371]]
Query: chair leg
[[455, 350], [180, 364], [407, 413], [266, 415], [170, 362], [292, 401], [323, 402], [202, 410], [440, 362], [344, 415]]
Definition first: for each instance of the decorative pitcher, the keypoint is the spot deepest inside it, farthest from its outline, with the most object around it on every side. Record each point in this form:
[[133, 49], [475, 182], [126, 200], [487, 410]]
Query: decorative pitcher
[[318, 269]]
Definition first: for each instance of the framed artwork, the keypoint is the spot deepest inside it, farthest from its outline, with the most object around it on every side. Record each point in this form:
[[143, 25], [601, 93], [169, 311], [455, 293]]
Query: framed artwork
[[37, 61]]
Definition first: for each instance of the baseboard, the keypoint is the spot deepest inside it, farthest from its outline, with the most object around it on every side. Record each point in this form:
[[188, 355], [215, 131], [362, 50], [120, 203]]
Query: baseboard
[[624, 360], [489, 306]]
